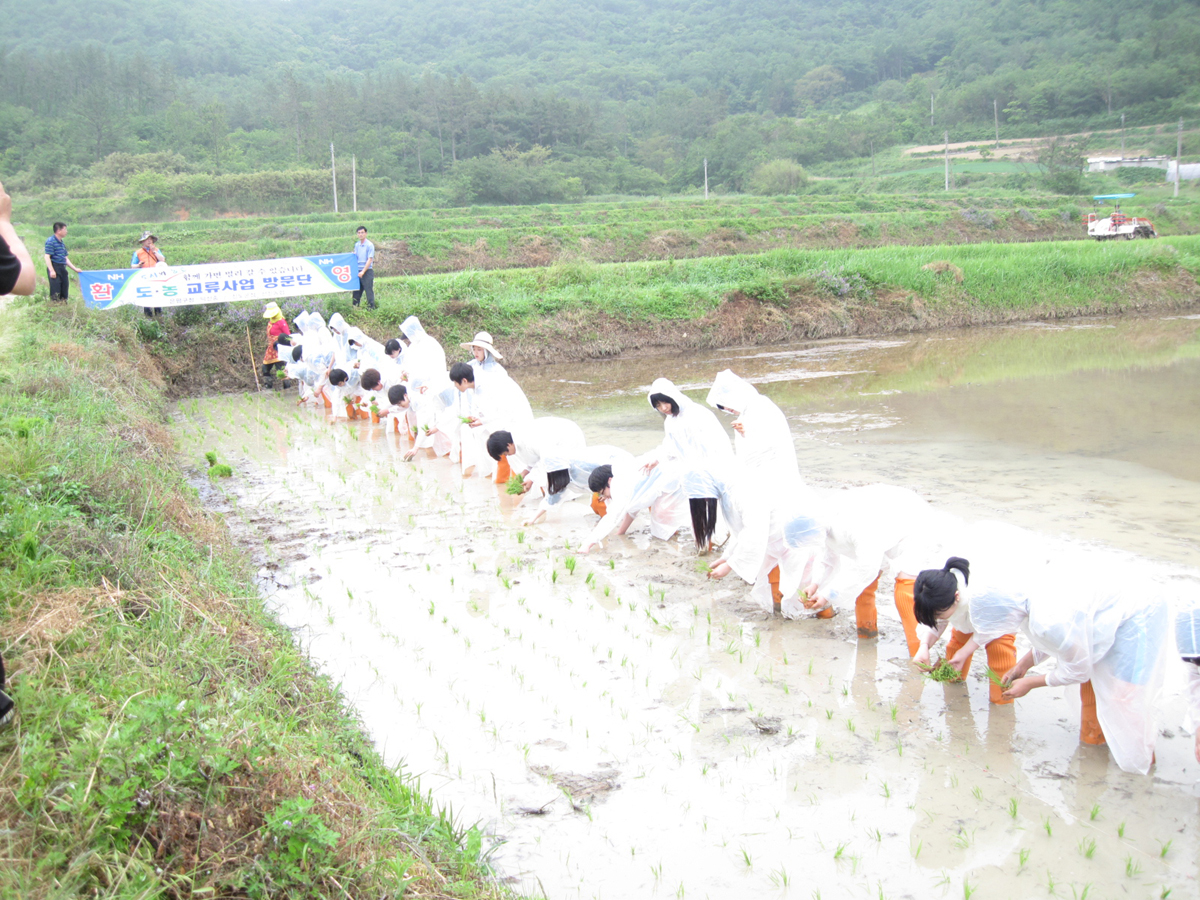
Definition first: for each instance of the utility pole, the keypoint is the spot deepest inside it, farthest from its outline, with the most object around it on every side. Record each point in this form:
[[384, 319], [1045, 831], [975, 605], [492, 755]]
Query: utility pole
[[946, 135], [1178, 156], [354, 180], [1122, 137], [706, 178], [333, 168], [996, 117]]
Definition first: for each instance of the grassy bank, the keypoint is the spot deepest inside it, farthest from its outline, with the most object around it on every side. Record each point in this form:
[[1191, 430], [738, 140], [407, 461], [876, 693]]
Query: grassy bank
[[170, 740]]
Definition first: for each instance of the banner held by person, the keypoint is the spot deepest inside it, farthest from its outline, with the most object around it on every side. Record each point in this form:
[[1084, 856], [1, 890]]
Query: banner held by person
[[261, 279]]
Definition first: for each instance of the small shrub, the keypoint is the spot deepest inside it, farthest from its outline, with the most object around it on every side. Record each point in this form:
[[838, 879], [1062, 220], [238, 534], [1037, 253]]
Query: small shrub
[[978, 217], [841, 284]]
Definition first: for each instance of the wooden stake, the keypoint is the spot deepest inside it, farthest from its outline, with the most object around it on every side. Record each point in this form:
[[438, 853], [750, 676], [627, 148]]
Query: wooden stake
[[253, 364]]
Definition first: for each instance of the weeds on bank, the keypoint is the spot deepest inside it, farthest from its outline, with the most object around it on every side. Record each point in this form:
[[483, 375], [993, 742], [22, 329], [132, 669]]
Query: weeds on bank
[[169, 740]]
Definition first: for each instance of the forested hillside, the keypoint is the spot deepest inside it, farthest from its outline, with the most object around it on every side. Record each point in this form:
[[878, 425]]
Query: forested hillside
[[521, 101]]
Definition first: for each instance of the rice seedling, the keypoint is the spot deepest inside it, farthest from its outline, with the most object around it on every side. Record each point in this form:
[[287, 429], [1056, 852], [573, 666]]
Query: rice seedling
[[943, 671], [977, 792], [1023, 856], [780, 878], [841, 849], [1121, 830], [1012, 807], [1088, 848], [887, 791], [850, 726], [1164, 849], [747, 859], [1046, 825], [1132, 869], [570, 563], [829, 714], [1095, 811]]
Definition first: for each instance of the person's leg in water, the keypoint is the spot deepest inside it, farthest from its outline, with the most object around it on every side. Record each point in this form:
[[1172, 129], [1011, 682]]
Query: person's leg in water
[[903, 594], [1090, 731], [1001, 656], [865, 613]]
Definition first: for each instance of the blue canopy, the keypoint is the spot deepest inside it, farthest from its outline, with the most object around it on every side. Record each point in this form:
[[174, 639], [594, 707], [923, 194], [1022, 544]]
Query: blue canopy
[[1113, 196]]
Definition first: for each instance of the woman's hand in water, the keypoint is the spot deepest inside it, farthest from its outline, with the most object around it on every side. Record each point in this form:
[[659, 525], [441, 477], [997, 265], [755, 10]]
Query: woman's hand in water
[[921, 657], [1023, 686]]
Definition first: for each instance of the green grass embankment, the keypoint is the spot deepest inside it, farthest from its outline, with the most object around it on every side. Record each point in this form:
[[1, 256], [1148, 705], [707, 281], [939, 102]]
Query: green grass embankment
[[170, 739], [807, 293]]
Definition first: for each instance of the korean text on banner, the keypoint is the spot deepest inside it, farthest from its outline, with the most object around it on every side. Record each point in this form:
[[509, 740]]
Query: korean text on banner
[[262, 279]]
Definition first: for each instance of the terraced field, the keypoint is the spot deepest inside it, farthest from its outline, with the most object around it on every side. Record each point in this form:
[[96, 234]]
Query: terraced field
[[447, 240]]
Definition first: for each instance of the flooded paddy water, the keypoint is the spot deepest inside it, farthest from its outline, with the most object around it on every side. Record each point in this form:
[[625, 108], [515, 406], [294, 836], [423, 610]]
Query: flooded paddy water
[[620, 727]]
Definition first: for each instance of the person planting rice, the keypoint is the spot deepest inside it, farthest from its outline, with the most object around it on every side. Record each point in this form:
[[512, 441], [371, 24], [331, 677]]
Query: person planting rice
[[764, 448], [278, 333], [691, 432], [1110, 637], [344, 355], [502, 405], [530, 446], [397, 408], [311, 376], [628, 488], [434, 415], [1187, 639], [567, 477]]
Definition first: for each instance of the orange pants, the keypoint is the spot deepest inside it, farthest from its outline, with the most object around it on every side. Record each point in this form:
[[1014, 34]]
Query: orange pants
[[1090, 731], [865, 613], [776, 594], [1001, 656], [600, 508], [908, 618], [503, 471]]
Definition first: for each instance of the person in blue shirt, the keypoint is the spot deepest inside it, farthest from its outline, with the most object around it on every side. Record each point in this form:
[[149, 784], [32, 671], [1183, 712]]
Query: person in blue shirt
[[57, 262], [364, 250]]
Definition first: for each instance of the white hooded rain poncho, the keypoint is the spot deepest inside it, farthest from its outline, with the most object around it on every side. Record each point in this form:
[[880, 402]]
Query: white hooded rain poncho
[[579, 465], [498, 404], [424, 354], [1113, 631], [762, 439], [693, 435], [634, 490]]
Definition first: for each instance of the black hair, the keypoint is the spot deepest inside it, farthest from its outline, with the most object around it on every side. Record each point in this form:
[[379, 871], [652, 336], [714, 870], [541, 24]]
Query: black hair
[[297, 353], [656, 399], [360, 228], [704, 519], [459, 371], [354, 341], [59, 226], [396, 394], [934, 590], [285, 339], [338, 377], [557, 481], [497, 444], [599, 478], [391, 346], [371, 380]]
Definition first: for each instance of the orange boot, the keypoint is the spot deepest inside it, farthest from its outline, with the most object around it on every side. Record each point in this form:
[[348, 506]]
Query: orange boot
[[1001, 656], [904, 606], [1090, 731], [865, 613], [503, 471], [598, 506], [776, 594]]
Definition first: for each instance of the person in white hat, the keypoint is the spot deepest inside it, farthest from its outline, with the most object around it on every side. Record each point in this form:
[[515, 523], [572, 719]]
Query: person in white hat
[[277, 328]]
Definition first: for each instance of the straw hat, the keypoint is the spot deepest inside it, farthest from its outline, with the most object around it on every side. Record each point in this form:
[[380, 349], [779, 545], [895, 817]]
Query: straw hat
[[272, 310], [484, 340], [147, 236]]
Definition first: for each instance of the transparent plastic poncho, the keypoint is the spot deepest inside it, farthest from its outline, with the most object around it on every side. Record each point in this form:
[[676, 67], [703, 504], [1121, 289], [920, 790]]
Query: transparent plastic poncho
[[694, 434], [1104, 627], [764, 447]]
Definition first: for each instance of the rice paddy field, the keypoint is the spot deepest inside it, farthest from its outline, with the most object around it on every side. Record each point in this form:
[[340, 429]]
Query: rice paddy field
[[430, 240]]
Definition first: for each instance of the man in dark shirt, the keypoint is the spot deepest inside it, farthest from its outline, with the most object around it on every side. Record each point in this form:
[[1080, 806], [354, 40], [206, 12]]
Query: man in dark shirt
[[16, 266], [57, 262]]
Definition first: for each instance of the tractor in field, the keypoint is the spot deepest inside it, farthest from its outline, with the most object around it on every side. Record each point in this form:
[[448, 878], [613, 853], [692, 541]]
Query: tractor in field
[[1117, 224]]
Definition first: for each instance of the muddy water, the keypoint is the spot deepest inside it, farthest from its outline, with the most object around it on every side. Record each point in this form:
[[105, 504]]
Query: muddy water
[[619, 727]]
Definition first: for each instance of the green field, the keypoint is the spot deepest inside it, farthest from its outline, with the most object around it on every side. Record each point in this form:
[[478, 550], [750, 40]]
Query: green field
[[449, 240]]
